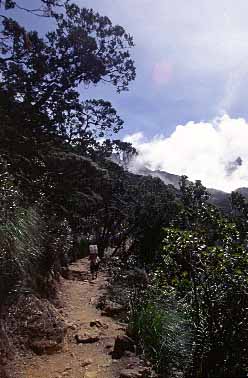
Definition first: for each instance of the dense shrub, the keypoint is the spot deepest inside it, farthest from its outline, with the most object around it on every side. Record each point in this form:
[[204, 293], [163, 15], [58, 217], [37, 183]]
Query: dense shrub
[[213, 280], [200, 268]]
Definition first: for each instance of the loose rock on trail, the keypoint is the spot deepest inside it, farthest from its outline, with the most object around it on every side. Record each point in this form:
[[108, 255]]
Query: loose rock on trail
[[90, 340]]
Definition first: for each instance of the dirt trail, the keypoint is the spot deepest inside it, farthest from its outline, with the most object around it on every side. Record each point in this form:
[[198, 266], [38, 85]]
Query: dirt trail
[[79, 298]]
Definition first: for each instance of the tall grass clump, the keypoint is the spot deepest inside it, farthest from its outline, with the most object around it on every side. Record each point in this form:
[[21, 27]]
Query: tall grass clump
[[33, 244], [21, 249], [163, 332]]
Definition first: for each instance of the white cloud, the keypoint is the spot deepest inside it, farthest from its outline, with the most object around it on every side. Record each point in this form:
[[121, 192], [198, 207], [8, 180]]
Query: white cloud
[[203, 150]]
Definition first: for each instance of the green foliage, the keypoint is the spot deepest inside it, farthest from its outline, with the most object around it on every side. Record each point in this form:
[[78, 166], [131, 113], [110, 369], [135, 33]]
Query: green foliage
[[84, 247], [9, 4], [205, 263], [21, 245], [163, 332], [214, 281], [41, 110], [239, 214], [200, 268], [154, 207], [51, 157], [57, 186], [135, 210]]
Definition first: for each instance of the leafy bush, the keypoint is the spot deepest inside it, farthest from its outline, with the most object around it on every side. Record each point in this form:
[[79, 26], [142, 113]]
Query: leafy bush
[[213, 280], [57, 246]]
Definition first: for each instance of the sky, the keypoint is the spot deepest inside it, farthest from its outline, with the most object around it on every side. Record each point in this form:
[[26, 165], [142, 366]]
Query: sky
[[191, 59], [187, 111], [191, 86]]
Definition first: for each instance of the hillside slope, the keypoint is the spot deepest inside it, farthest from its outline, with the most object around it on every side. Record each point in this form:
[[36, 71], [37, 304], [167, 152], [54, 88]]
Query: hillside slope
[[218, 198]]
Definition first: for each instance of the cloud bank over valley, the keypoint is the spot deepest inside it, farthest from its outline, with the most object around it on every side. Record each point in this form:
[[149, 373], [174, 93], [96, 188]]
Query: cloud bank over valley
[[214, 152]]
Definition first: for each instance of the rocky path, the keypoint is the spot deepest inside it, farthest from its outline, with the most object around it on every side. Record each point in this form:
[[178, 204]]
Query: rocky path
[[81, 360]]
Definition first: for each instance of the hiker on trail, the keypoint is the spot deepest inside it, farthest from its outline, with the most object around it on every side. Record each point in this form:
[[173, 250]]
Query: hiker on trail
[[94, 260]]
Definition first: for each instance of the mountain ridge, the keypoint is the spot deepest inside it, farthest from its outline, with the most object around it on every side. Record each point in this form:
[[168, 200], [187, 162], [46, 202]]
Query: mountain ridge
[[218, 197]]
